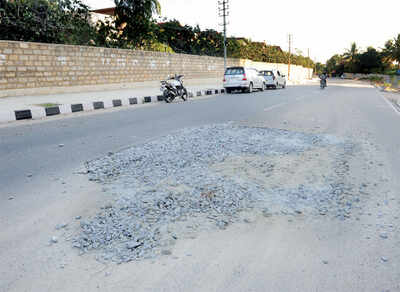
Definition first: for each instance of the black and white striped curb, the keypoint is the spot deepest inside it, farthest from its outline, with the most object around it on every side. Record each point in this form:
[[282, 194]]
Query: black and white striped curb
[[97, 105]]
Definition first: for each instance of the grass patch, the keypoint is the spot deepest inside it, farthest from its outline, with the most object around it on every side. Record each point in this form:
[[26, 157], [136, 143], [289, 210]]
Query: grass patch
[[49, 104], [377, 79], [386, 84]]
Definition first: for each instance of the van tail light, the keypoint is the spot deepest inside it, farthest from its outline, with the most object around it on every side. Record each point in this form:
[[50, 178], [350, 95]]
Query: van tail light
[[224, 79], [244, 77]]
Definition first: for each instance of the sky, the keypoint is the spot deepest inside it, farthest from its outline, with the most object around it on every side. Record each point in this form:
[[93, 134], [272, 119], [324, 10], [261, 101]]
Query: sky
[[324, 27]]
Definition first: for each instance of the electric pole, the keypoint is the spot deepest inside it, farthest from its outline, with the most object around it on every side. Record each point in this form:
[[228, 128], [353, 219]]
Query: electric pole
[[290, 54], [308, 54], [223, 9]]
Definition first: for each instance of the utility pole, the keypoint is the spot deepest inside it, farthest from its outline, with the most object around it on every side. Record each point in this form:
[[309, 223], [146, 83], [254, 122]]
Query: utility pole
[[290, 53], [223, 9], [308, 55]]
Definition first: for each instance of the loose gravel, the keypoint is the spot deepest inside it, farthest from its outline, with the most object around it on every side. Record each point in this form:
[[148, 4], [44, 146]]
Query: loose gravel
[[213, 174]]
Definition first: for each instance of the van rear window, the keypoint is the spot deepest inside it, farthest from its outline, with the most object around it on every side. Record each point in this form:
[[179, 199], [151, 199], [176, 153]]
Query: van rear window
[[234, 71], [267, 73]]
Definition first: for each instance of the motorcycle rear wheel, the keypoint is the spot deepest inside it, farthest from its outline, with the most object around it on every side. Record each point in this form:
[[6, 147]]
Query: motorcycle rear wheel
[[184, 95]]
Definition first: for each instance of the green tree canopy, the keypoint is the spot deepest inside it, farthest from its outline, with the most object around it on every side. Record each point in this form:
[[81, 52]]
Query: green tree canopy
[[335, 65], [134, 26], [351, 58], [392, 50], [49, 21], [180, 38], [319, 68], [193, 40], [134, 19], [369, 61]]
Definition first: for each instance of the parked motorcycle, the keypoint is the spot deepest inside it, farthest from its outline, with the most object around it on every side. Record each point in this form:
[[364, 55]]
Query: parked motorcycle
[[173, 88]]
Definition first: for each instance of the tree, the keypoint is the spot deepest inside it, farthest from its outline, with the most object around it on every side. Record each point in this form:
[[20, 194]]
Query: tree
[[319, 68], [50, 21], [107, 34], [351, 58], [190, 40], [134, 19], [133, 27], [180, 38], [392, 50], [209, 42], [335, 65], [261, 52], [371, 61]]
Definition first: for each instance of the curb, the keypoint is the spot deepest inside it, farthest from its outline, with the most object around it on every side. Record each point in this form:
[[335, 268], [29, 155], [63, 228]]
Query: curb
[[29, 114]]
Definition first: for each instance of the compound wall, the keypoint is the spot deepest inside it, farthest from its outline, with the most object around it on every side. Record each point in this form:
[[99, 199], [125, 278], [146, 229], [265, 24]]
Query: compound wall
[[25, 65]]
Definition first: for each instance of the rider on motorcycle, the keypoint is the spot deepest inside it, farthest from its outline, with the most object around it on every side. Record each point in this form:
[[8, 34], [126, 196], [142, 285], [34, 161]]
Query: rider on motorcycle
[[323, 78]]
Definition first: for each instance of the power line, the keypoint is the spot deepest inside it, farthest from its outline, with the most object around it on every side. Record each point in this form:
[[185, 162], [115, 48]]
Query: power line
[[223, 9]]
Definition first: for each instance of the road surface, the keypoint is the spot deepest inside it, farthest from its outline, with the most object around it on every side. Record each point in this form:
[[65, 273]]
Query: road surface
[[41, 186]]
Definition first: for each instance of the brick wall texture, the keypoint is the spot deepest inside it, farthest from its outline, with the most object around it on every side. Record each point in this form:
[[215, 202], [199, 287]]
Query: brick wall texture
[[36, 65]]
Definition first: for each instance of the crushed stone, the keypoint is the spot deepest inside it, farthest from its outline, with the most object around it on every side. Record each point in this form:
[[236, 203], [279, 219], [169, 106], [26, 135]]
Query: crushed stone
[[212, 174]]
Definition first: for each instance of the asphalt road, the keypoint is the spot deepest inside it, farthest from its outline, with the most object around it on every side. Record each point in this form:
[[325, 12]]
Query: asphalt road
[[33, 147], [39, 188]]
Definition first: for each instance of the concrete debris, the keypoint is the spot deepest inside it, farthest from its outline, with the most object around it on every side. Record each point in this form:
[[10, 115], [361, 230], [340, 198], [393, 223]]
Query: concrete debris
[[166, 252], [61, 226], [266, 213], [383, 235], [384, 259], [181, 176]]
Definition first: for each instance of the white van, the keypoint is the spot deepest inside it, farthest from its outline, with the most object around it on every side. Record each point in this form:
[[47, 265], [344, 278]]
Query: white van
[[243, 79], [274, 78]]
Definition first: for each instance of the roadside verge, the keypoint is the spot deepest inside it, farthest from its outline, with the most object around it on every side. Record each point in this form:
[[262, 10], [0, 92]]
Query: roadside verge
[[41, 111]]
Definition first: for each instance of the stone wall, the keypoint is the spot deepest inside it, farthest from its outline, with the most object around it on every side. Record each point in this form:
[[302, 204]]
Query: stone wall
[[36, 65], [298, 74]]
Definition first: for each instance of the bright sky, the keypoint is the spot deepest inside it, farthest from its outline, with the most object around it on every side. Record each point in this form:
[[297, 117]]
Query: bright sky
[[325, 27]]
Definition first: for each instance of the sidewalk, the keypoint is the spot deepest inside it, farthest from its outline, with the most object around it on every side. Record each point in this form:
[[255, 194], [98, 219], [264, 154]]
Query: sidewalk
[[100, 97]]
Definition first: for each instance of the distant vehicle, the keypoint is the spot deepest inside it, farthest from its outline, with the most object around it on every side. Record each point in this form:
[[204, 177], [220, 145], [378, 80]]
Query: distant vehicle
[[346, 76], [243, 79], [273, 78]]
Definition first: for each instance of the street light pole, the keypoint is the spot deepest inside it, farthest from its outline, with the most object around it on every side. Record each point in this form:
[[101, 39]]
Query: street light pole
[[224, 13], [290, 54]]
